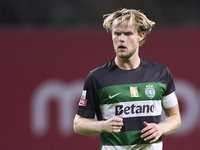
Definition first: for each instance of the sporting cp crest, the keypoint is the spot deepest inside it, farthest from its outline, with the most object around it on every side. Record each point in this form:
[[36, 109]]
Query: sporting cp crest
[[150, 91]]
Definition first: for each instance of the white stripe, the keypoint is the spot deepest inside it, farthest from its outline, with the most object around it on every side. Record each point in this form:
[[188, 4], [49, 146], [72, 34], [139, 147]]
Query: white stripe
[[132, 109], [169, 100], [154, 146]]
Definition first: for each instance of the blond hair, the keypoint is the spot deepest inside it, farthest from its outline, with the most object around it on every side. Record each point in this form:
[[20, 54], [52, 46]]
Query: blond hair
[[134, 16]]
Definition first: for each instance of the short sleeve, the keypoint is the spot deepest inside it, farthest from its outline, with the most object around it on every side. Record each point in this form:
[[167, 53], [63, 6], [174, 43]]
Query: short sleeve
[[170, 86], [88, 101]]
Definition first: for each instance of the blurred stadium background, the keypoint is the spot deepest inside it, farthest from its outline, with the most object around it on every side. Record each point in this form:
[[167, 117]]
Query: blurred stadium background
[[47, 48]]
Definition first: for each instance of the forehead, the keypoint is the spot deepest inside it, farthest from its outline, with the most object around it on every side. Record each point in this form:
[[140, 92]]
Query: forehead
[[125, 25]]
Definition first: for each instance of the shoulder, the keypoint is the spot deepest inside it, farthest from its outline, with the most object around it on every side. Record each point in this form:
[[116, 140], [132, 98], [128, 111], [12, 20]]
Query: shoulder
[[99, 71], [154, 66], [160, 73]]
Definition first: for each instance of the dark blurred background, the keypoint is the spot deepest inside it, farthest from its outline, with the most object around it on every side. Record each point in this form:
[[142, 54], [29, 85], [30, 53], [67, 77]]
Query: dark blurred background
[[47, 48], [88, 13]]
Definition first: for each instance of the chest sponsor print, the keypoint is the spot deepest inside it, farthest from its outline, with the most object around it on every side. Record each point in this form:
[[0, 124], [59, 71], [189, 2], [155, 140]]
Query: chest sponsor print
[[131, 109]]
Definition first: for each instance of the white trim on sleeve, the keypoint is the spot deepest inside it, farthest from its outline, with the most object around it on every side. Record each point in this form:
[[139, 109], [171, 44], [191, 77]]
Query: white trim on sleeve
[[169, 100]]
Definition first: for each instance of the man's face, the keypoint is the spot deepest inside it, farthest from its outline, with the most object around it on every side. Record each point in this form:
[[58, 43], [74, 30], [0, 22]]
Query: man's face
[[125, 38]]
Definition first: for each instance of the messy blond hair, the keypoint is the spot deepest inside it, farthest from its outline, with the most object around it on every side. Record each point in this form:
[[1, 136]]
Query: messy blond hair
[[134, 16]]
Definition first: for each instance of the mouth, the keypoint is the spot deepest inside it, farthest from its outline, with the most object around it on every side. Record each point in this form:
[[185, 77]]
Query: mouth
[[121, 47]]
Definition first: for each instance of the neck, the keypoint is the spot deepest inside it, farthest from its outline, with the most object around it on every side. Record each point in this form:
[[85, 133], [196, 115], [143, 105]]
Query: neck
[[127, 64]]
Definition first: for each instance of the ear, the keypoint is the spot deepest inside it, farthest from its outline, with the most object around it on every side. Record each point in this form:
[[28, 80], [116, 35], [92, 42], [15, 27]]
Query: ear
[[141, 36]]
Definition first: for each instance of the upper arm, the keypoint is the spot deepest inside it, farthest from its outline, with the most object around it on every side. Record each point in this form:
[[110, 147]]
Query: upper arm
[[86, 126], [170, 105], [79, 122], [78, 119], [174, 110]]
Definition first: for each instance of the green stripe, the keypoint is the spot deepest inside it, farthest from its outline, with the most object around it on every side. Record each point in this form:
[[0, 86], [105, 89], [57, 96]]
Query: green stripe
[[125, 94], [123, 138]]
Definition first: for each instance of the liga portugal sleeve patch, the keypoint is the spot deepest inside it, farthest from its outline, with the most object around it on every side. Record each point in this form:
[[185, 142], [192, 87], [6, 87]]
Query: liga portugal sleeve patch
[[82, 102]]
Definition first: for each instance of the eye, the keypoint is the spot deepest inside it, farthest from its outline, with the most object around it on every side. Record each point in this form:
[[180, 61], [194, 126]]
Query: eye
[[128, 33], [117, 33]]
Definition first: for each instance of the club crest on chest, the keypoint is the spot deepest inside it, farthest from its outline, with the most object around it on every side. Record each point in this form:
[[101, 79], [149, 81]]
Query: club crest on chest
[[150, 91]]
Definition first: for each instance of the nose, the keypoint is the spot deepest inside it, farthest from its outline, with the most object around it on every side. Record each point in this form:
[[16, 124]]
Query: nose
[[121, 38]]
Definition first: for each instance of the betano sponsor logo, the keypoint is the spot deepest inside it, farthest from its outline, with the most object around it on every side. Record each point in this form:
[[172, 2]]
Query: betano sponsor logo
[[131, 109], [120, 109]]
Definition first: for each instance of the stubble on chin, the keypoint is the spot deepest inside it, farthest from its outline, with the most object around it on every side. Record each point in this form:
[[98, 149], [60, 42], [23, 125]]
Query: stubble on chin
[[124, 54]]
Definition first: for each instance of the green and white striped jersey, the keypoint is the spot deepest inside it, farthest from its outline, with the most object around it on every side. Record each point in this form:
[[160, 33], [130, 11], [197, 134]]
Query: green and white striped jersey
[[134, 95]]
